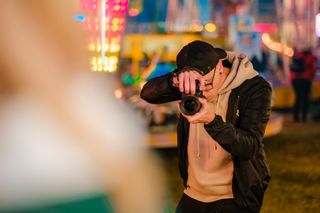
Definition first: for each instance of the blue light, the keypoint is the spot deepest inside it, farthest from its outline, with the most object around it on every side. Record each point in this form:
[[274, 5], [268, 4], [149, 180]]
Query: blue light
[[80, 17]]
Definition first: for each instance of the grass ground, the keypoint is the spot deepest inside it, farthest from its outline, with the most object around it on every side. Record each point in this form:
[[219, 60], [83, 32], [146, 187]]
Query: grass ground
[[294, 158]]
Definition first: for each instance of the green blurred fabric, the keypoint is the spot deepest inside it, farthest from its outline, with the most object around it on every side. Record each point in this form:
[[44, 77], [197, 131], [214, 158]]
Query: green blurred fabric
[[96, 204]]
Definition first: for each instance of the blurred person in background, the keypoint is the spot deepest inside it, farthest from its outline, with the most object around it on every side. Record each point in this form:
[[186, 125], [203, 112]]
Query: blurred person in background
[[63, 136], [303, 70], [221, 156]]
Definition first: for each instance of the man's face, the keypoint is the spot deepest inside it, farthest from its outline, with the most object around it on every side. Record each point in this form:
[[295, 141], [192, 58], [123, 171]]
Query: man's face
[[211, 84], [208, 79]]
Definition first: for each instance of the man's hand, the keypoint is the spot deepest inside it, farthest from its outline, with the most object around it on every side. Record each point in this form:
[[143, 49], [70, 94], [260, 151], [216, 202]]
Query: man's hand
[[205, 115], [186, 81]]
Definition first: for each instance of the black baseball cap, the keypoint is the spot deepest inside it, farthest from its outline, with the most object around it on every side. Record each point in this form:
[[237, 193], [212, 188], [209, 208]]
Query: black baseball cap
[[199, 55]]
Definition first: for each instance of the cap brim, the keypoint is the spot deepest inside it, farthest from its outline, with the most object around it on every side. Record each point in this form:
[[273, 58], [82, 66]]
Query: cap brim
[[221, 53]]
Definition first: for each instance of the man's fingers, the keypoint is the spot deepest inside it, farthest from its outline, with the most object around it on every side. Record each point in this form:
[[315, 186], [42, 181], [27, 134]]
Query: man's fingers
[[181, 82], [175, 82], [199, 77], [178, 105], [187, 82], [194, 118], [192, 85], [202, 83], [193, 77]]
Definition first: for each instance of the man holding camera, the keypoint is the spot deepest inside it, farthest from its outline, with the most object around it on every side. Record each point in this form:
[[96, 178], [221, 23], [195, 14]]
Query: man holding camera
[[221, 157]]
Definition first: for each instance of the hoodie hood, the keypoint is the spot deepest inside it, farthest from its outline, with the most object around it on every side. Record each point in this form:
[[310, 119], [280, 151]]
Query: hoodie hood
[[240, 71]]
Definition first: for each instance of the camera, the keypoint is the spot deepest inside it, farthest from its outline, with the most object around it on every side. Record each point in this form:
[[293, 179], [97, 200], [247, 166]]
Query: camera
[[190, 104]]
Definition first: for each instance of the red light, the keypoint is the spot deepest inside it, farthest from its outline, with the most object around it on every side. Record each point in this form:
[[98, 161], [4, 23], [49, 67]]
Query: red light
[[133, 12]]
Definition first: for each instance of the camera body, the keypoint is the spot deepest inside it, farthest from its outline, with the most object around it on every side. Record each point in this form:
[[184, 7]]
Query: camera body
[[190, 104]]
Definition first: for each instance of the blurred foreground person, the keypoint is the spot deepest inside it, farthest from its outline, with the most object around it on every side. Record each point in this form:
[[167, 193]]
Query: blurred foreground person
[[63, 136], [222, 123]]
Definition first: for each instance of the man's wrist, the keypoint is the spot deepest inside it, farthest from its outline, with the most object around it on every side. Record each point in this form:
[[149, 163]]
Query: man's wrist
[[212, 117], [216, 123]]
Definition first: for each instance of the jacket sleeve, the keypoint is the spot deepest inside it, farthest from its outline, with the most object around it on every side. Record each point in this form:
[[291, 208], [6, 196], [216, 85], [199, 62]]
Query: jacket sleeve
[[245, 141], [159, 90]]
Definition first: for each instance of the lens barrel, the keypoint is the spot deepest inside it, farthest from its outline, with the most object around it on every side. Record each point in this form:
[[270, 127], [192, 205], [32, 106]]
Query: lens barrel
[[189, 104]]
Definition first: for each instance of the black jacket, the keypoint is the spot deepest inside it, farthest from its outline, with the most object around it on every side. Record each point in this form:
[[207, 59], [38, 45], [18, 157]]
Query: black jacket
[[241, 135]]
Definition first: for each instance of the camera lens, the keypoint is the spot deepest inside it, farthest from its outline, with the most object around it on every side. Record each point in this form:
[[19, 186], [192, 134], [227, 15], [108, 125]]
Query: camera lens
[[190, 105]]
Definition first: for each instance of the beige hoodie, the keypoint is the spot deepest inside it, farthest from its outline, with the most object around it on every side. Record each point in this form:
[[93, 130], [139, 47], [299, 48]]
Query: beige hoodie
[[210, 168]]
